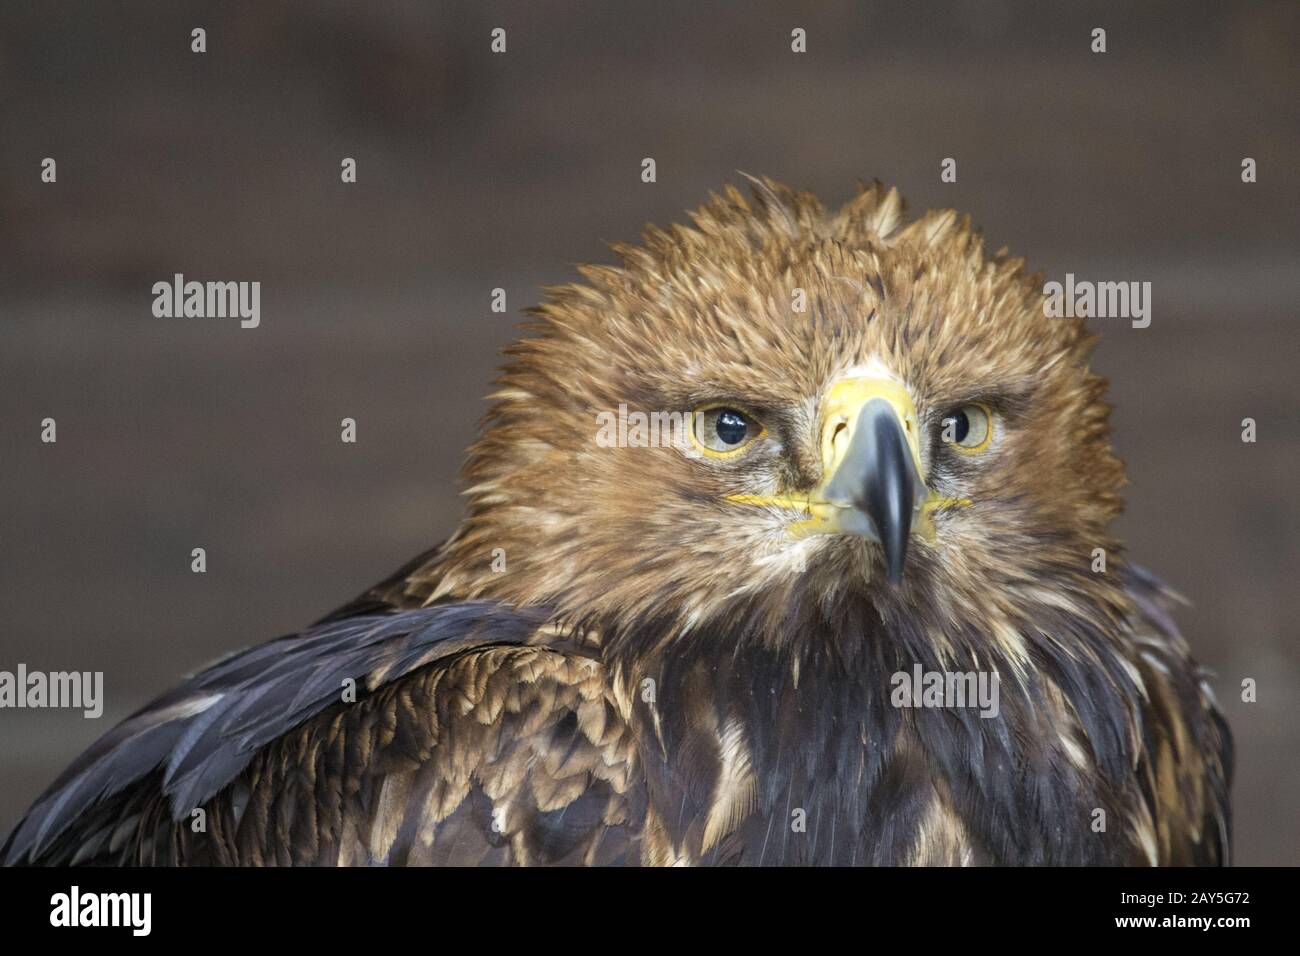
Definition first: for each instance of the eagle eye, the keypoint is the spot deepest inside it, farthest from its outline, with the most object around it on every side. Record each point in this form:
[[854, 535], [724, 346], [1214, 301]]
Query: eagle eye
[[968, 428], [723, 430]]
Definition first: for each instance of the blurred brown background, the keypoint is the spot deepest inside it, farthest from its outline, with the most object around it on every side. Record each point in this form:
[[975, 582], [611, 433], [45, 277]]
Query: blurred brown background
[[477, 171]]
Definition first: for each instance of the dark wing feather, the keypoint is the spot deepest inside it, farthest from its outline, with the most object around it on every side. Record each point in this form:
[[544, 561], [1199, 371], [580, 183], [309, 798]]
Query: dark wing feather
[[1186, 759], [500, 755], [195, 740]]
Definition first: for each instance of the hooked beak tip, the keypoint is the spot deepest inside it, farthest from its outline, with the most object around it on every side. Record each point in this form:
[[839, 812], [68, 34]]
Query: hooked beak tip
[[890, 498]]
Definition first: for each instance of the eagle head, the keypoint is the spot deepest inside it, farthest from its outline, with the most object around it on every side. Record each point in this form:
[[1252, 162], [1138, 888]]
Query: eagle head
[[787, 405]]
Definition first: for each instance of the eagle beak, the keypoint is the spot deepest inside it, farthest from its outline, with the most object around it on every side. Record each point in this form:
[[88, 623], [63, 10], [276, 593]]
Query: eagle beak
[[871, 458], [873, 484]]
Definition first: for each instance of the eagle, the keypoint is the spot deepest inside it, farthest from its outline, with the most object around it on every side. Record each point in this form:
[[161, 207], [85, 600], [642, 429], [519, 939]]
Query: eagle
[[884, 477]]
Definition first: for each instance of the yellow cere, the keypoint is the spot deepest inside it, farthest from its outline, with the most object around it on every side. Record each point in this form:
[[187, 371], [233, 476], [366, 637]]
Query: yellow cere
[[840, 413]]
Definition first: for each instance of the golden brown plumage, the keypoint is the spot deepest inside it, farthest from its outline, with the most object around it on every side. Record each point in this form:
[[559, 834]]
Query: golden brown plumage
[[658, 655]]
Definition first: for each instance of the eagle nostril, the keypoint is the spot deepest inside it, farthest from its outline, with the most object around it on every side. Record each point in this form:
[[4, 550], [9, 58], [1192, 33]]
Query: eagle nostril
[[839, 431], [835, 444]]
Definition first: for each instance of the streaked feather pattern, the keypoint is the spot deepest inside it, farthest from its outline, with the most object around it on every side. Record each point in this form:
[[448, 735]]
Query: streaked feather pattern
[[659, 680], [481, 738]]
